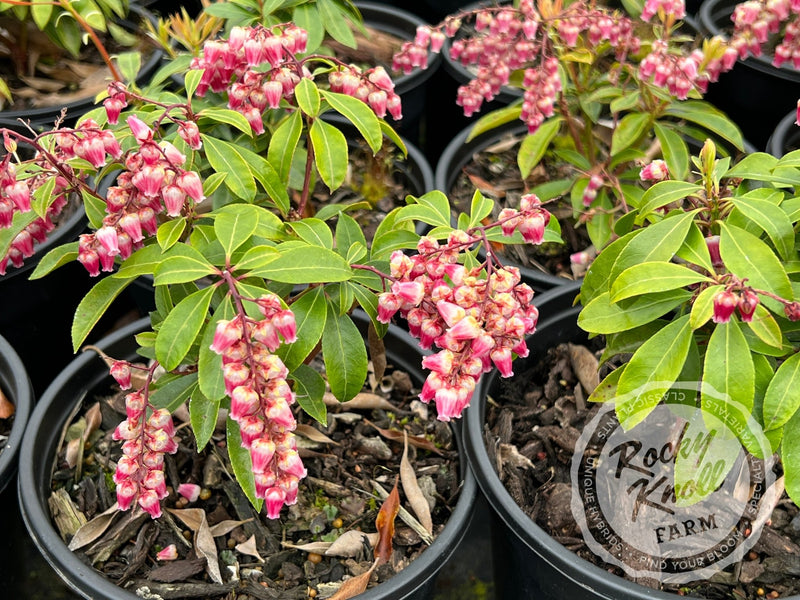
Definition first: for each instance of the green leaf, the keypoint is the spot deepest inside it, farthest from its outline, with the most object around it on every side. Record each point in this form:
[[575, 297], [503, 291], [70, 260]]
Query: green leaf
[[709, 118], [603, 316], [480, 208], [173, 390], [313, 231], [607, 390], [309, 390], [306, 16], [181, 327], [649, 277], [790, 456], [183, 268], [757, 166], [57, 257], [628, 341], [224, 157], [746, 256], [360, 115], [203, 417], [695, 250], [234, 225], [170, 232], [783, 394], [283, 143], [209, 363], [336, 22], [652, 370], [266, 175], [307, 96], [142, 262], [773, 220], [494, 119], [191, 80], [241, 463], [41, 12], [597, 278], [310, 313], [663, 193], [228, 117], [535, 145], [630, 128], [93, 306], [703, 306], [345, 356], [433, 208], [306, 264], [129, 64], [330, 153], [728, 371], [674, 150], [766, 327], [348, 232]]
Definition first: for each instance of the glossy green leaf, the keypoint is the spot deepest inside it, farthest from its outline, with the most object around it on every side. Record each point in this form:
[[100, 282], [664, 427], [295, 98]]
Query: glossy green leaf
[[649, 277], [313, 231], [330, 153], [309, 390], [360, 115], [183, 269], [746, 256], [728, 371], [228, 117], [336, 22], [241, 463], [766, 327], [345, 356], [674, 150], [773, 220], [306, 264], [534, 146], [703, 306], [283, 143], [790, 457], [93, 306], [170, 232], [709, 118], [652, 370], [494, 119], [607, 390], [41, 13], [307, 96], [628, 341], [695, 250], [630, 128], [173, 390], [348, 232], [203, 417], [306, 16], [209, 363], [181, 327], [603, 316], [234, 225], [597, 278], [783, 394], [663, 193], [433, 208], [757, 166], [191, 80], [224, 157], [55, 258], [310, 313]]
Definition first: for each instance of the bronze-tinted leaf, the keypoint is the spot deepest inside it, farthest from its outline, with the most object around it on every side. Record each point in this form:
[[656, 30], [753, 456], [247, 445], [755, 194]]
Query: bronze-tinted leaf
[[399, 436], [354, 586], [384, 523], [6, 406]]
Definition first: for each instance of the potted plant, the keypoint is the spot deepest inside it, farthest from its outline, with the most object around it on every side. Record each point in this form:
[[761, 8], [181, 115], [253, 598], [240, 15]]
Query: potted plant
[[253, 276], [601, 93]]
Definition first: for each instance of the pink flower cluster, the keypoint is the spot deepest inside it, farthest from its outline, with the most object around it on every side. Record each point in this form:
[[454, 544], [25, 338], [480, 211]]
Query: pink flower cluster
[[373, 86], [153, 181], [755, 21], [727, 301], [474, 321], [655, 170], [679, 74], [669, 9], [530, 220], [146, 439], [255, 381], [15, 196], [541, 88]]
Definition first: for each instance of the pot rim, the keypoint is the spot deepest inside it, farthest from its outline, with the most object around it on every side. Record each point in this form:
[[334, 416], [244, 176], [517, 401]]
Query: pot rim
[[90, 584], [17, 385], [780, 137]]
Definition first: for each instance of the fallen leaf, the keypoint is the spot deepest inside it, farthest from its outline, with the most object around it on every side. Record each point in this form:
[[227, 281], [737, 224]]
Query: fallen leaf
[[354, 586], [315, 547], [350, 543], [400, 436], [204, 545], [419, 504], [585, 366], [384, 523], [362, 400], [225, 527], [93, 529], [313, 434], [485, 187], [7, 407], [248, 547], [191, 517]]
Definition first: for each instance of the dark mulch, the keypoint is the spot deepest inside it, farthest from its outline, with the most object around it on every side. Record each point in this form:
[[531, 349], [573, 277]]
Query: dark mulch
[[539, 415], [337, 496]]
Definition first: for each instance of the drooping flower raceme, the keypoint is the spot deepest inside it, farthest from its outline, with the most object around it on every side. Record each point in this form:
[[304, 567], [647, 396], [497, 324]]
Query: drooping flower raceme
[[261, 399]]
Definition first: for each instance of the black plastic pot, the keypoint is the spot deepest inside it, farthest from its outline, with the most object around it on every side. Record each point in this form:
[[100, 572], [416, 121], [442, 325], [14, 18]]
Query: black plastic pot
[[528, 562], [16, 386], [412, 88], [754, 93], [458, 154], [87, 374], [45, 116], [786, 136]]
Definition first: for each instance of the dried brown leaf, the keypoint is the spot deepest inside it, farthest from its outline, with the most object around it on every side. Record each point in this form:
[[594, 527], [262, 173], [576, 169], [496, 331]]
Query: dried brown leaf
[[191, 517], [225, 527], [362, 400], [7, 407], [399, 436], [315, 547], [350, 543], [354, 586], [313, 434], [416, 499], [93, 529], [73, 452], [485, 187], [384, 523], [205, 546], [93, 420], [248, 547], [585, 366]]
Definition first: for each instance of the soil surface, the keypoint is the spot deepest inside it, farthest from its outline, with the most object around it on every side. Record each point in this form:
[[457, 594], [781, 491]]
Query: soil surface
[[359, 450], [535, 420]]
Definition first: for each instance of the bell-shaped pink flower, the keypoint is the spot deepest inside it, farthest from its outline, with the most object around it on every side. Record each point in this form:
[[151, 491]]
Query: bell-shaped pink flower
[[20, 195], [725, 303], [748, 302], [441, 362], [501, 357], [154, 480], [173, 197], [286, 325], [190, 183], [262, 450], [279, 413], [244, 401], [274, 499], [388, 305], [291, 463], [150, 503], [466, 329], [126, 493], [139, 129], [251, 428], [190, 134], [226, 334]]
